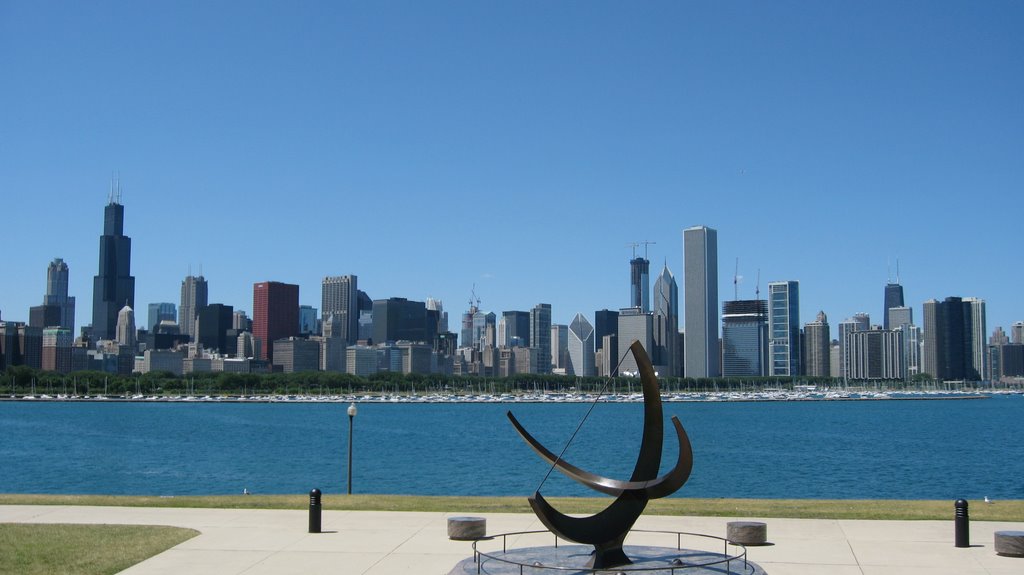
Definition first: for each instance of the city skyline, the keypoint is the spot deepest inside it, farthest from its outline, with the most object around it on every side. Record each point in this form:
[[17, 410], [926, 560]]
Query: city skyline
[[238, 160]]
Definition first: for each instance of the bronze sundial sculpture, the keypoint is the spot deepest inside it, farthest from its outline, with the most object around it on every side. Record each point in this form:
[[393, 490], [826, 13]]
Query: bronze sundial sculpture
[[607, 530]]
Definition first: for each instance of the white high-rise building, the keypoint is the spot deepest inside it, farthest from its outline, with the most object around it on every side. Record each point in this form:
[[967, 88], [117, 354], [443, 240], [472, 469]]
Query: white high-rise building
[[126, 327], [700, 297], [978, 359], [581, 347]]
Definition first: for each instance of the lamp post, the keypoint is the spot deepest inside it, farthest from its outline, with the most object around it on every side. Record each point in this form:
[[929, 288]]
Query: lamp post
[[351, 416]]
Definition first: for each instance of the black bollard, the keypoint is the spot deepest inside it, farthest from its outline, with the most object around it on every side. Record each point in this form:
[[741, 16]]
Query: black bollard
[[962, 523], [314, 511]]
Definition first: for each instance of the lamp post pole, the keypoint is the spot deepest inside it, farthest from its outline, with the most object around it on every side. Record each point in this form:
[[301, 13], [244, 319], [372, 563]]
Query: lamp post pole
[[351, 417]]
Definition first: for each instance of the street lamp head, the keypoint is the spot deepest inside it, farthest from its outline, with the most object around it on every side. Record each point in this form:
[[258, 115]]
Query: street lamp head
[[352, 410]]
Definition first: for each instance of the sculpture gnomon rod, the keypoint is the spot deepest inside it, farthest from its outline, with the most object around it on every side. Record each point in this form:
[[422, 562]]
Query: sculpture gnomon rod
[[607, 529]]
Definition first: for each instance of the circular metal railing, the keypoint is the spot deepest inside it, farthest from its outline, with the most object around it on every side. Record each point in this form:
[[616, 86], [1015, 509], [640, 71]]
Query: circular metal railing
[[725, 558]]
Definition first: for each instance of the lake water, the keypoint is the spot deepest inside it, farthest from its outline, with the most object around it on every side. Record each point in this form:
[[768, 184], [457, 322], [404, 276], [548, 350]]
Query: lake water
[[822, 449]]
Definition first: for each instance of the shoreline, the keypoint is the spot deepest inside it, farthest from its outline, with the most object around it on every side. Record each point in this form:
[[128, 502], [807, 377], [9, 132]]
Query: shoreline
[[694, 397]]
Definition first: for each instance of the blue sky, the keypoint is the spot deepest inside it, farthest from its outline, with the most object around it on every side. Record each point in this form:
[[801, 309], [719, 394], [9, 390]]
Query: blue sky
[[518, 146]]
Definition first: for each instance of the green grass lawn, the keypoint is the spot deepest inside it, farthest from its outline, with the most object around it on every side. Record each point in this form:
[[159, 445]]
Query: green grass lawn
[[795, 508], [38, 549]]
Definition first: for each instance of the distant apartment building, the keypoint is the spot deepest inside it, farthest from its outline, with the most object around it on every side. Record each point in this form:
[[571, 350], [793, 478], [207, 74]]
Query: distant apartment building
[[818, 347], [876, 354], [951, 330]]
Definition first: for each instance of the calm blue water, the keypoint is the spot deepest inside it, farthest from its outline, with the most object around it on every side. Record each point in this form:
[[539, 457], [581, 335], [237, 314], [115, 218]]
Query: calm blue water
[[856, 449]]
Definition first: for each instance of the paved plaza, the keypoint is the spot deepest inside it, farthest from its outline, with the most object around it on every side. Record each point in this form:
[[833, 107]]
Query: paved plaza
[[257, 542]]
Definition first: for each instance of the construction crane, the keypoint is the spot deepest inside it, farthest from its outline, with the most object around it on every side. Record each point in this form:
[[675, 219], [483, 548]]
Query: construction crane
[[635, 245], [474, 301]]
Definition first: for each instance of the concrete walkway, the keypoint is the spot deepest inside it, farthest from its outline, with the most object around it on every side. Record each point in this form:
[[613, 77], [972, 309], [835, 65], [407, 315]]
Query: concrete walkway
[[257, 542]]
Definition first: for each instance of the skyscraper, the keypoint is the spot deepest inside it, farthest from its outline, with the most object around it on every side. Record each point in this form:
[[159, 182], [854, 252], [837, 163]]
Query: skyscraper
[[950, 330], [700, 296], [666, 323], [1017, 332], [977, 353], [639, 283], [114, 286], [194, 296], [581, 347], [159, 312], [784, 327], [517, 328], [126, 327], [309, 322], [745, 338], [397, 319], [893, 298], [275, 314], [859, 322], [559, 345], [540, 335], [634, 325], [212, 325], [57, 279], [606, 322], [817, 347], [340, 296]]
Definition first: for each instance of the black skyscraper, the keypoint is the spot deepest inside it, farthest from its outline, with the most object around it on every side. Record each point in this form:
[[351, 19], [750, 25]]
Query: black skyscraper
[[114, 286], [893, 298]]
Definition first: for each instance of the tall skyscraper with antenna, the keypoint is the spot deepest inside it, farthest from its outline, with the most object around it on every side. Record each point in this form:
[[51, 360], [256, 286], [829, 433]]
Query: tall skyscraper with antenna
[[114, 286], [893, 297], [194, 297]]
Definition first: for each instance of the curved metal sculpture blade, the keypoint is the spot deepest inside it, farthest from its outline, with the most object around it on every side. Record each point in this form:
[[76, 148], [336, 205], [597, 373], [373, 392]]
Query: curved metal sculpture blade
[[607, 529]]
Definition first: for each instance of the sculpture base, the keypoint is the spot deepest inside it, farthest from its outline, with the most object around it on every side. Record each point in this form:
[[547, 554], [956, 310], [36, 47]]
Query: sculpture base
[[573, 560]]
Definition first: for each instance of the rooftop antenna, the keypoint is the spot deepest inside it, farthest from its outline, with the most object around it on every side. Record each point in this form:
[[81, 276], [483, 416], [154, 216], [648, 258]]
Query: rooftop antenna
[[757, 290], [897, 270], [888, 271]]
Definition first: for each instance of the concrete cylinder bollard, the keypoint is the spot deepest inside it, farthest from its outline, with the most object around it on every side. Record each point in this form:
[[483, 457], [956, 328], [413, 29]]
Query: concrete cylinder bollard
[[314, 511], [962, 524]]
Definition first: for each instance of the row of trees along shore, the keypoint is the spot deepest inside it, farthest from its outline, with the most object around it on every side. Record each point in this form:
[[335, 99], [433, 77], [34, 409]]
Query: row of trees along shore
[[22, 380]]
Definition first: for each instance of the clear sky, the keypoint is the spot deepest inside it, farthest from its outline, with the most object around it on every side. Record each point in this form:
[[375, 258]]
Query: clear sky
[[518, 146]]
